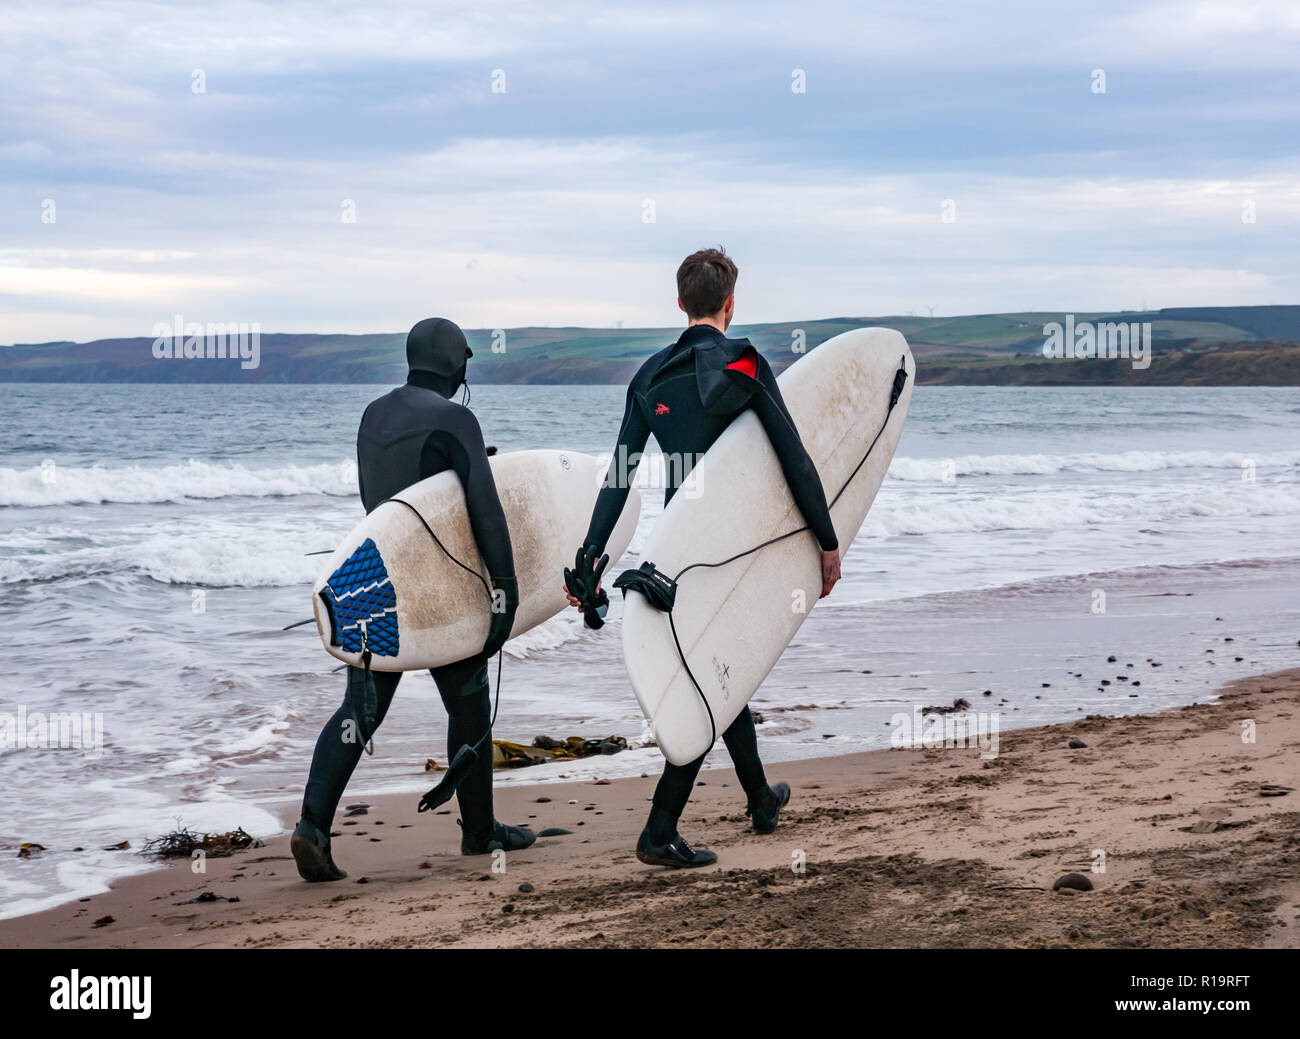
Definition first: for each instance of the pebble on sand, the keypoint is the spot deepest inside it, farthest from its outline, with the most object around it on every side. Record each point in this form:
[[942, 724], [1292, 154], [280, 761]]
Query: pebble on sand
[[1077, 744], [1073, 881], [554, 831]]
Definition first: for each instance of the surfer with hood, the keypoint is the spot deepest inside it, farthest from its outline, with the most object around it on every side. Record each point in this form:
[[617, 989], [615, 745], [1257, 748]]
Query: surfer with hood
[[686, 395], [414, 432]]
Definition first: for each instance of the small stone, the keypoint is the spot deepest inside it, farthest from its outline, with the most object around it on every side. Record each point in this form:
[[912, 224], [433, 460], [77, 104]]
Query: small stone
[[508, 908], [526, 889], [1077, 744], [1072, 882], [1110, 659], [543, 801], [363, 880], [602, 782], [554, 831]]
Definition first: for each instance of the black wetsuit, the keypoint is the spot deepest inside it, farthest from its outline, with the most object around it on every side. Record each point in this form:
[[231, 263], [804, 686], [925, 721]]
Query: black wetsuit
[[410, 434], [686, 396]]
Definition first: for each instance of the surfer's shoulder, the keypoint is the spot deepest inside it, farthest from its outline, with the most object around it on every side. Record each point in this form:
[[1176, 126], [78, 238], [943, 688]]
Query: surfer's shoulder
[[650, 367], [458, 418]]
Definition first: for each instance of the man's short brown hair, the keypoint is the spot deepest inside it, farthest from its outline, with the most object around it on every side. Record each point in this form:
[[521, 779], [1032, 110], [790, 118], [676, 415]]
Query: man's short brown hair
[[704, 281]]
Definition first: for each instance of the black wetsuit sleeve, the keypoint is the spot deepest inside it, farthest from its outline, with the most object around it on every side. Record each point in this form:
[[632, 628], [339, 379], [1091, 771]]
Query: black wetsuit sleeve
[[632, 437], [800, 473], [462, 444]]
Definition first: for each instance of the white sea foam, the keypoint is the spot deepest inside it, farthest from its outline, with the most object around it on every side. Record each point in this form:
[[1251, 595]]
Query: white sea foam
[[93, 485], [1066, 511], [250, 559], [195, 480], [931, 470], [563, 628]]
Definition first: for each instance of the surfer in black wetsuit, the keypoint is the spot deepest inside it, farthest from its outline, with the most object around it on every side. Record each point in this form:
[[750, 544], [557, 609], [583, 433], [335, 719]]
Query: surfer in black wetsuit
[[686, 395], [412, 433]]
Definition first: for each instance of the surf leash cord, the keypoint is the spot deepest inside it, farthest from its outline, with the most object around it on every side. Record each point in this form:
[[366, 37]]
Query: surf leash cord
[[661, 590], [468, 754], [364, 719]]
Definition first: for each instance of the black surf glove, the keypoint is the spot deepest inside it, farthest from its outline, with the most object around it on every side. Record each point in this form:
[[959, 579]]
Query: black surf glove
[[584, 580], [505, 602]]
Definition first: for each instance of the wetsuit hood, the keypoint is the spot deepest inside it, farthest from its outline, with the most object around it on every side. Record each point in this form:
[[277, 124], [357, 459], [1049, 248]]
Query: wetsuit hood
[[437, 345], [444, 385], [723, 390]]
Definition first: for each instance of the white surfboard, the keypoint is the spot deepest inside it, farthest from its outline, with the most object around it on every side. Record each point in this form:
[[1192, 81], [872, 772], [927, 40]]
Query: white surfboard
[[735, 621], [389, 586]]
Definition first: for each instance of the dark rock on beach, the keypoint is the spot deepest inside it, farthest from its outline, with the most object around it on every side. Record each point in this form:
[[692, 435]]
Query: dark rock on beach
[[1073, 881]]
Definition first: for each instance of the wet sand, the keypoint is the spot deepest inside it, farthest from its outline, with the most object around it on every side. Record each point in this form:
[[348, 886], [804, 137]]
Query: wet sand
[[900, 848]]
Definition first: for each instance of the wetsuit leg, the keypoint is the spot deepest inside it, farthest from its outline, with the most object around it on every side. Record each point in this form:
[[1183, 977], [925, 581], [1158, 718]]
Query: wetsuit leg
[[671, 794], [742, 745], [466, 695], [338, 750], [677, 782]]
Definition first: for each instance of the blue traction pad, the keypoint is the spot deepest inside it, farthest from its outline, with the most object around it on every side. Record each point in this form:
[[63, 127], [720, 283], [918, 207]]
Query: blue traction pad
[[360, 593]]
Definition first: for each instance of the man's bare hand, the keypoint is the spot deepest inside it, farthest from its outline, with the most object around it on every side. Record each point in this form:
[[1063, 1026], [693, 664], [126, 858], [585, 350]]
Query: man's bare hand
[[575, 602], [830, 571]]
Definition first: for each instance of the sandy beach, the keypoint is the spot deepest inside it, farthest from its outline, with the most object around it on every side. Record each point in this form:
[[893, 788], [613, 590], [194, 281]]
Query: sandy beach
[[1199, 829]]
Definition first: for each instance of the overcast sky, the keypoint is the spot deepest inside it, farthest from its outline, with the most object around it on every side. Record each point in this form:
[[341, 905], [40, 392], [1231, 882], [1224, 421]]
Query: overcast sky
[[531, 205]]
